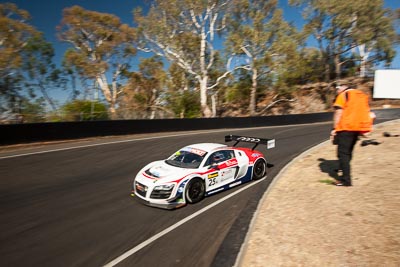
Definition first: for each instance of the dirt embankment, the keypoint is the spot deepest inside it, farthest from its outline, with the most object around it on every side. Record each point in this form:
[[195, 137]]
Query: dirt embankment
[[306, 221]]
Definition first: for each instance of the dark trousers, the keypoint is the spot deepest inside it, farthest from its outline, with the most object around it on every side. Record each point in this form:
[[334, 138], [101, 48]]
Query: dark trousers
[[346, 141]]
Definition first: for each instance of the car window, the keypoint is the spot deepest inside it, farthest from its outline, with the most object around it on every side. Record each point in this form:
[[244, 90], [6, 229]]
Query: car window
[[219, 156], [185, 159]]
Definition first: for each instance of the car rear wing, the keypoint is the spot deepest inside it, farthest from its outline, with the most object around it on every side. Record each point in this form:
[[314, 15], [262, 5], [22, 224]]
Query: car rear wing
[[270, 143]]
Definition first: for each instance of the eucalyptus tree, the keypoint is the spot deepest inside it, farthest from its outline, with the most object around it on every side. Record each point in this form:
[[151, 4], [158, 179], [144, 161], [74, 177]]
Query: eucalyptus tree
[[373, 34], [343, 28], [181, 96], [185, 32], [16, 46], [102, 48], [84, 110], [33, 111], [259, 33], [40, 72], [145, 89]]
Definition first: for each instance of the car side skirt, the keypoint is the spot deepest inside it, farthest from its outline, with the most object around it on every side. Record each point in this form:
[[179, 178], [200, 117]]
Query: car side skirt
[[246, 178]]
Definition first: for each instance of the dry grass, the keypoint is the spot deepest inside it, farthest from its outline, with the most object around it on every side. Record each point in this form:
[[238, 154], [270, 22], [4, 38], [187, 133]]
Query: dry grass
[[304, 221]]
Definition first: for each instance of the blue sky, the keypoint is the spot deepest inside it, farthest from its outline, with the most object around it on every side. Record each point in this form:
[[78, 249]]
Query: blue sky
[[47, 14]]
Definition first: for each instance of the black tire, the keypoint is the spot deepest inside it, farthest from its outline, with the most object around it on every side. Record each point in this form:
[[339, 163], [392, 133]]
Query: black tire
[[195, 190], [259, 169]]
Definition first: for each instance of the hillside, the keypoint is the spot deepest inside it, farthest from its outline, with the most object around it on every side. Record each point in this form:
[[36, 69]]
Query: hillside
[[310, 98]]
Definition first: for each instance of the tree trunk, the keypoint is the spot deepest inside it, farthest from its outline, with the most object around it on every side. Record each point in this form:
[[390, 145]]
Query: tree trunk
[[48, 99], [327, 70], [205, 109], [338, 71], [108, 96], [364, 57], [253, 93], [112, 111], [214, 105]]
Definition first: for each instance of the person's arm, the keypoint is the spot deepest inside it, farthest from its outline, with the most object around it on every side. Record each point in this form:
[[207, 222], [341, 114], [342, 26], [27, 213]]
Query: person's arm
[[336, 116], [337, 113]]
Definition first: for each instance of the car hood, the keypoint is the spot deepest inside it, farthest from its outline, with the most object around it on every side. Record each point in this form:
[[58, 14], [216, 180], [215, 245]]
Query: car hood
[[164, 172]]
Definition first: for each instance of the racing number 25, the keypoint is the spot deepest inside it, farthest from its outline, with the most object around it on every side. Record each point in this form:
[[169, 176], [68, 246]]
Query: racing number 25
[[212, 181]]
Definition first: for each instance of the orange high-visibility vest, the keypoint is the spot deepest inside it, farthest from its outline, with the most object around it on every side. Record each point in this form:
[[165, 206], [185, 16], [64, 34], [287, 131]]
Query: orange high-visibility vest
[[356, 112]]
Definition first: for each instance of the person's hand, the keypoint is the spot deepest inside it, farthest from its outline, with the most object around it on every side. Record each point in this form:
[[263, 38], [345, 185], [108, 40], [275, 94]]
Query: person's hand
[[332, 137]]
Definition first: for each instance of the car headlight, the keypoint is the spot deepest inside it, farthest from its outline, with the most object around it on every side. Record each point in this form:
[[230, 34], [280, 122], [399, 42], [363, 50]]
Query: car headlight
[[164, 187]]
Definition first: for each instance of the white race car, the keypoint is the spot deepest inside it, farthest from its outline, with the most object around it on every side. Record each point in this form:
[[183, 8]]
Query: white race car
[[200, 170]]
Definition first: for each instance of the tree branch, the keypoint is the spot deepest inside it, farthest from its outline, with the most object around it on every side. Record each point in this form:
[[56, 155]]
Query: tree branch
[[194, 20], [274, 103], [225, 75]]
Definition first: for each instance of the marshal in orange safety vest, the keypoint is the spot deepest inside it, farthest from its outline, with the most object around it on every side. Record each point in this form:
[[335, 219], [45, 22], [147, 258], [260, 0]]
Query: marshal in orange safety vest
[[356, 114]]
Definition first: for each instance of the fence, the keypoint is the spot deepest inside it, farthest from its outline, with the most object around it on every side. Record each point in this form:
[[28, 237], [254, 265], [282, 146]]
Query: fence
[[34, 132]]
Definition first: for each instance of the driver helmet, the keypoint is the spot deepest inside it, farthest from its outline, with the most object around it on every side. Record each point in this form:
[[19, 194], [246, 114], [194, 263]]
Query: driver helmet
[[218, 157]]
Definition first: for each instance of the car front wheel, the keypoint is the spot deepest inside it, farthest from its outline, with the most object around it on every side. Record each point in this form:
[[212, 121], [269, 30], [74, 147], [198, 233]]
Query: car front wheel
[[259, 169], [195, 190]]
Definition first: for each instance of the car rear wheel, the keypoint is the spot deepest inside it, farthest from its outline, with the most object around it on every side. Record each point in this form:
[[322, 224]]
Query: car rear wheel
[[195, 190], [259, 169]]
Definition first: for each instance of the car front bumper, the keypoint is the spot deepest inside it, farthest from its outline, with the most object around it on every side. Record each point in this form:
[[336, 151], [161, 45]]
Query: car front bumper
[[169, 205]]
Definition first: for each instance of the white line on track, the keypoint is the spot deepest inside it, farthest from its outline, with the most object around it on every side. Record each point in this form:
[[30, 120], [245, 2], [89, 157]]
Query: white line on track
[[144, 138], [92, 145], [105, 143], [176, 225]]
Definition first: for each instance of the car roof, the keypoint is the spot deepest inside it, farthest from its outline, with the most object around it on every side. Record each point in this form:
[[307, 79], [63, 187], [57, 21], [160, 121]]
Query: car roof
[[208, 147]]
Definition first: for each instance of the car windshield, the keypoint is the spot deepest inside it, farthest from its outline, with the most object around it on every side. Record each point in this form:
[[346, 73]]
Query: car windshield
[[186, 158]]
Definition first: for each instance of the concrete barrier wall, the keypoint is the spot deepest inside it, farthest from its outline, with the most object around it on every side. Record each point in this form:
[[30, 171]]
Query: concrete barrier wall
[[26, 133]]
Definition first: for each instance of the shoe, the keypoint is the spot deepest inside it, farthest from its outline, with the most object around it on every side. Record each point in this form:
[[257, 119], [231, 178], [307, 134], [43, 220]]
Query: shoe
[[340, 183], [337, 183]]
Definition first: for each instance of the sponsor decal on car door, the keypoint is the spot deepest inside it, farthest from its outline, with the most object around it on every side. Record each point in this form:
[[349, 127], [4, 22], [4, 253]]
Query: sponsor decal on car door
[[222, 175]]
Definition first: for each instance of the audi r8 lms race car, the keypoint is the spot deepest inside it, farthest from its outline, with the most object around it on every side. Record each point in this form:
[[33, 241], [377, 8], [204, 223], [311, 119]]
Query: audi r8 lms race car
[[200, 170]]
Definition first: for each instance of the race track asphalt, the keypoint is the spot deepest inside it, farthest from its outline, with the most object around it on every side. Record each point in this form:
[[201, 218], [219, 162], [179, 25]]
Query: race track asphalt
[[72, 207]]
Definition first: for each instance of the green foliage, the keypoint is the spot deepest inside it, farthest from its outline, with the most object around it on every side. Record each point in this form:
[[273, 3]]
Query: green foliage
[[301, 68], [342, 27], [181, 96], [238, 91], [33, 112], [14, 32], [101, 44], [185, 104], [40, 72], [327, 181], [24, 54], [144, 90], [263, 38], [85, 110]]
